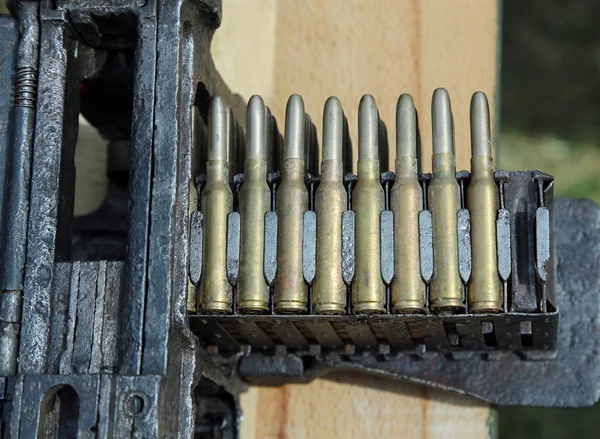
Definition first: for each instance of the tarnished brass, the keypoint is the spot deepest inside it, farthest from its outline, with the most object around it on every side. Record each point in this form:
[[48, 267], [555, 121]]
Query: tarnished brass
[[408, 288], [216, 203], [330, 204], [485, 289], [368, 290], [447, 292], [291, 292], [254, 202]]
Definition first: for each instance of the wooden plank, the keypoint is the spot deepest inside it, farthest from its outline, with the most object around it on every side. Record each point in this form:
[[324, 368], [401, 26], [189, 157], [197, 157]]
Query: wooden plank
[[319, 48], [360, 406], [244, 47], [386, 48]]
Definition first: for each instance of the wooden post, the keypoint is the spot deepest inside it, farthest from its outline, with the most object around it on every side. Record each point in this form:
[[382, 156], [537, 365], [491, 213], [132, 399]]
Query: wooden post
[[354, 406], [320, 48]]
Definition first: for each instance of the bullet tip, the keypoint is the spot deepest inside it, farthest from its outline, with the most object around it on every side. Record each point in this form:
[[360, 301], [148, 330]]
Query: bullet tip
[[479, 96], [333, 129], [256, 102], [481, 145], [405, 102], [368, 128], [406, 127], [440, 93], [217, 104], [295, 99], [368, 100], [442, 123], [218, 124], [333, 102], [294, 128], [255, 128]]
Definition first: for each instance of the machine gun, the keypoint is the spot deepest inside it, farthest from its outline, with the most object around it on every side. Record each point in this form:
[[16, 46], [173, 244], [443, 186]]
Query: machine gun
[[225, 255]]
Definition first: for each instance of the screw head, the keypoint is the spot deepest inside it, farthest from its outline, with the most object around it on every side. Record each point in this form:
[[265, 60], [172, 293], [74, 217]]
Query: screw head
[[134, 404]]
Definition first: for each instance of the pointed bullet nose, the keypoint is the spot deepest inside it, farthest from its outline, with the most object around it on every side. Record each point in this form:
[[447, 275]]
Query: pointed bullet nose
[[217, 146], [333, 129], [481, 141], [406, 127], [442, 124], [368, 128], [255, 127], [294, 128]]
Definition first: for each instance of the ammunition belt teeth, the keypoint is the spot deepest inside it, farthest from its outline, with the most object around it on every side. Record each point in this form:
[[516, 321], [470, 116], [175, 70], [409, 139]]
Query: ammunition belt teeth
[[284, 252]]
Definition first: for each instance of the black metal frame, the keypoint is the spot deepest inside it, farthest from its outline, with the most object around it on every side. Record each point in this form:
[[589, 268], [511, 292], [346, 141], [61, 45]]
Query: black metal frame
[[70, 50]]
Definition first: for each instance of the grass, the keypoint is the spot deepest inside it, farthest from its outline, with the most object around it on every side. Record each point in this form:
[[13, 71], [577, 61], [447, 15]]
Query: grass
[[538, 423], [574, 165]]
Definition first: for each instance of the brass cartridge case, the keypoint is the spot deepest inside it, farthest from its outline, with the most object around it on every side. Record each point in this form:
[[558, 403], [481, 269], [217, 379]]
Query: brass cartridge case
[[408, 288], [216, 203], [447, 292], [330, 203], [368, 290], [291, 291], [254, 203], [485, 288]]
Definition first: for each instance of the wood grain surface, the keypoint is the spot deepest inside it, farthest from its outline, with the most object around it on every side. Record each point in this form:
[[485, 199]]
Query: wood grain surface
[[348, 406], [320, 48], [346, 48]]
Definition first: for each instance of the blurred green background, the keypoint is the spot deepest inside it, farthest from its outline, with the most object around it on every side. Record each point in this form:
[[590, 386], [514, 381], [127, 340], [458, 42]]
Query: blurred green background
[[550, 92], [550, 109], [550, 114]]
